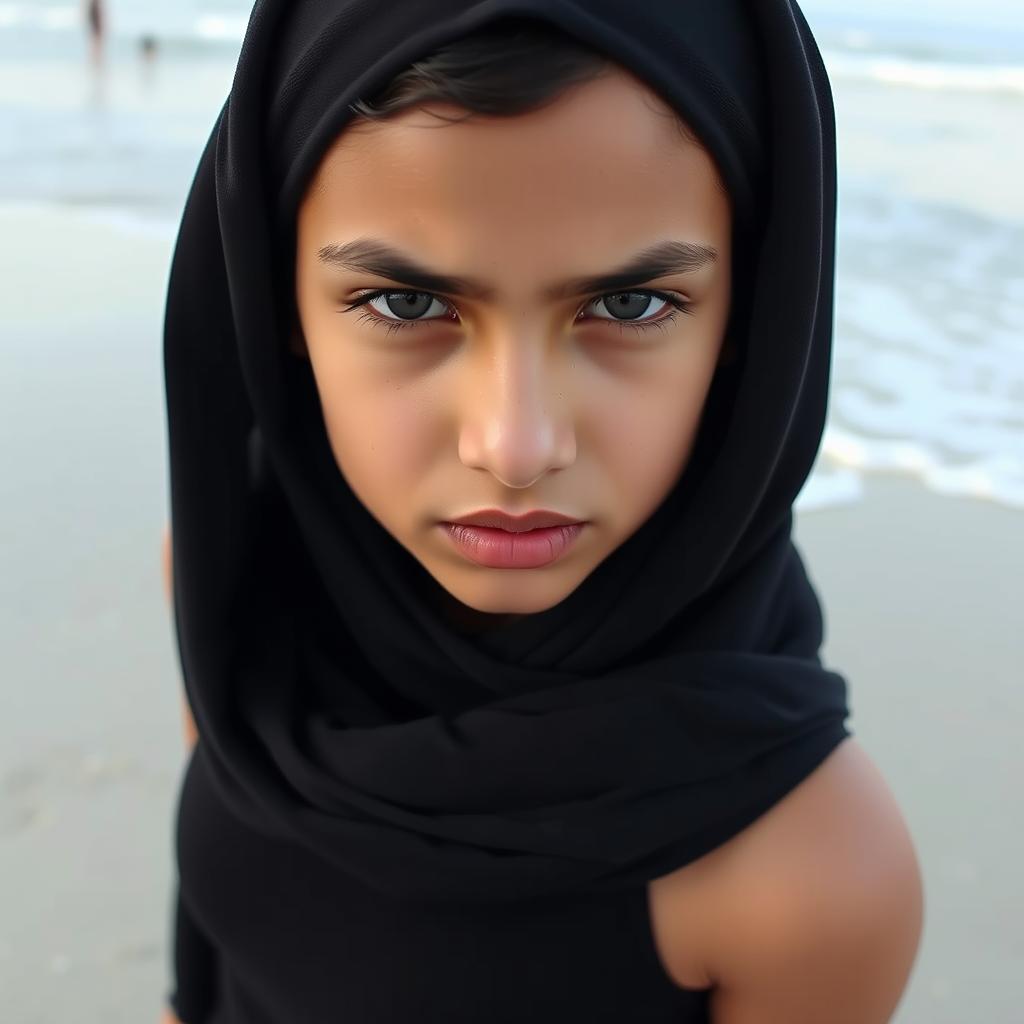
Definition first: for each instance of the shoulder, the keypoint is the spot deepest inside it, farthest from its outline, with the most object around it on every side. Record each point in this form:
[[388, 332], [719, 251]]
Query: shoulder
[[814, 912], [820, 904]]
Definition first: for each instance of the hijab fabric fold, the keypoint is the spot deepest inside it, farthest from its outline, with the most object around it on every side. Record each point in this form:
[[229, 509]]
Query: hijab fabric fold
[[668, 701]]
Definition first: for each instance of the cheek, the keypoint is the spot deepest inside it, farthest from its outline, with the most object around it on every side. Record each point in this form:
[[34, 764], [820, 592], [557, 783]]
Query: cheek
[[645, 430], [645, 434], [382, 438]]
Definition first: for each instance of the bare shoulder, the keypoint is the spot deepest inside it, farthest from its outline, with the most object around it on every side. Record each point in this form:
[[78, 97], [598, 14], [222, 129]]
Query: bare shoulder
[[813, 912]]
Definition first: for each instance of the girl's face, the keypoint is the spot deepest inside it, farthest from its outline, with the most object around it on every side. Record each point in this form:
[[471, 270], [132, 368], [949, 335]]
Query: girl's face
[[518, 383]]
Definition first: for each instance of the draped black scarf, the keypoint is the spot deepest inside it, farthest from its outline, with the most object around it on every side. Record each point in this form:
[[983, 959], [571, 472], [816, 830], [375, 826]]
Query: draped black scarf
[[668, 701]]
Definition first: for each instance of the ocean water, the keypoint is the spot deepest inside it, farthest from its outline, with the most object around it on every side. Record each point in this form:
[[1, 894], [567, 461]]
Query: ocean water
[[928, 371]]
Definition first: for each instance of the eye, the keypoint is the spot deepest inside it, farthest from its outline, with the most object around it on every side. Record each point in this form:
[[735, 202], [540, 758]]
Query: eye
[[401, 309], [405, 305], [633, 306]]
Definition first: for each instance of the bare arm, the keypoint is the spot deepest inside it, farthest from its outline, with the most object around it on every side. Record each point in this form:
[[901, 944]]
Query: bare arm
[[826, 906]]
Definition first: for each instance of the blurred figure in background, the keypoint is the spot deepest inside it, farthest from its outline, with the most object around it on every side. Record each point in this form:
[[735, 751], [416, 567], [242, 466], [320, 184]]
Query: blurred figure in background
[[148, 54], [96, 21]]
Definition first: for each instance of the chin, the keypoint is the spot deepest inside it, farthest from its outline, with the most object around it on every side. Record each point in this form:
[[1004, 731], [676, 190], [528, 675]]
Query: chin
[[509, 607], [503, 596]]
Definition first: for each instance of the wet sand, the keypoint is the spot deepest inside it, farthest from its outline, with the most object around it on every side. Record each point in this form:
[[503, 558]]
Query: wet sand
[[921, 595]]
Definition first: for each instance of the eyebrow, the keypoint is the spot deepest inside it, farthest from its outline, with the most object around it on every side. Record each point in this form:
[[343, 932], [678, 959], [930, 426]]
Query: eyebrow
[[374, 256]]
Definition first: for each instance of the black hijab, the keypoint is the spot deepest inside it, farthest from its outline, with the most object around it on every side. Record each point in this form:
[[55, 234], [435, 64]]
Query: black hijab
[[678, 692]]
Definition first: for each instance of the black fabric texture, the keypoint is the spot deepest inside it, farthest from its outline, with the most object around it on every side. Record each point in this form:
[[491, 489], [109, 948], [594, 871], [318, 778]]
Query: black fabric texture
[[196, 963], [678, 692]]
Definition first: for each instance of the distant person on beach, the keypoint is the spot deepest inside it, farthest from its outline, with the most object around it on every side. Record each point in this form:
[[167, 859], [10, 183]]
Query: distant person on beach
[[96, 21], [147, 55]]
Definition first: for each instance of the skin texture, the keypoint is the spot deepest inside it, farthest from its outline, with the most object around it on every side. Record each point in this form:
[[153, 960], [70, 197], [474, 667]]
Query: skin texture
[[812, 913], [519, 401]]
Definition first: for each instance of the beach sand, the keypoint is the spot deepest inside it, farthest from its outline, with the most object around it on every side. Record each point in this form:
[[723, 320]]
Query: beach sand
[[921, 597]]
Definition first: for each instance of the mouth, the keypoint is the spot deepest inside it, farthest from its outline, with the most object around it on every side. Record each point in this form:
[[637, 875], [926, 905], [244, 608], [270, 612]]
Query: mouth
[[496, 548], [498, 519]]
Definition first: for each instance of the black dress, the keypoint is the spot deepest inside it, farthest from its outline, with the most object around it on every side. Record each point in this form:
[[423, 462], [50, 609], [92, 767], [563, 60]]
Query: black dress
[[268, 933]]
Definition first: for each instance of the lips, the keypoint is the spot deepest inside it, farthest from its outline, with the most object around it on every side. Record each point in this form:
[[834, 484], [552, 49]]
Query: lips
[[503, 549], [497, 519]]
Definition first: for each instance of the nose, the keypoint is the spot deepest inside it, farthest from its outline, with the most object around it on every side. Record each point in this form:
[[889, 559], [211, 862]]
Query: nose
[[515, 420]]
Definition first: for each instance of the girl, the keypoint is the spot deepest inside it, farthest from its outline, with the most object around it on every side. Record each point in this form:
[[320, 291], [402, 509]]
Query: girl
[[497, 351]]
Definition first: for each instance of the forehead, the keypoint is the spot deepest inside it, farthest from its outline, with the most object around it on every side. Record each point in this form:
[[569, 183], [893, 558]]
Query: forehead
[[605, 153]]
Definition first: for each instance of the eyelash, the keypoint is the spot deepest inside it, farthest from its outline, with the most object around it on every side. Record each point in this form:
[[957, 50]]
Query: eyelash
[[375, 319]]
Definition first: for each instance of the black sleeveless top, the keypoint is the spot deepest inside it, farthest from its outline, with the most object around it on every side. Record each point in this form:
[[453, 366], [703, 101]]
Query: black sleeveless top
[[269, 933]]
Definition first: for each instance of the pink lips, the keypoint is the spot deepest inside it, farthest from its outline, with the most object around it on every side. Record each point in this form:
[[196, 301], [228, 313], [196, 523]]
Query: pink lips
[[503, 549], [495, 539], [497, 518]]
